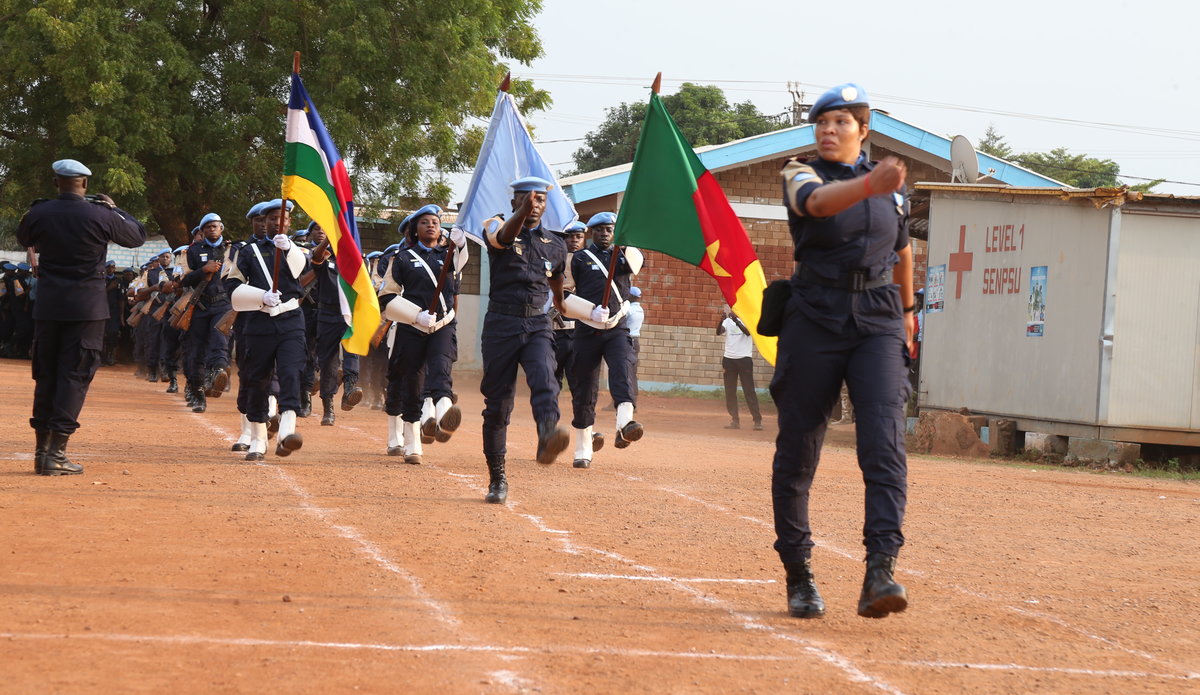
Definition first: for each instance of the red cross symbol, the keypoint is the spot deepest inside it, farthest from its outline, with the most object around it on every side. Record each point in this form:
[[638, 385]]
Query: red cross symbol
[[960, 261]]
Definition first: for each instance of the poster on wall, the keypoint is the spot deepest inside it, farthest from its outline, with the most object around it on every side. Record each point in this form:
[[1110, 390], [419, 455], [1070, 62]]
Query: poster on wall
[[1035, 320], [935, 289]]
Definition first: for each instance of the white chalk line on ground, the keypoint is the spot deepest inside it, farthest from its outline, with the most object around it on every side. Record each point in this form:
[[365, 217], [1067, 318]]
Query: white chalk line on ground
[[1104, 673], [366, 547], [637, 578], [917, 573], [563, 538]]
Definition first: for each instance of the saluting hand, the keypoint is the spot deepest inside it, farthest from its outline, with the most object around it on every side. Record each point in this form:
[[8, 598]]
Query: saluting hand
[[888, 176]]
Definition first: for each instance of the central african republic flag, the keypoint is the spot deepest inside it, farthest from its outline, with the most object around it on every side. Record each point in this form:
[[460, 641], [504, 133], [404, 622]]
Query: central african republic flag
[[314, 176]]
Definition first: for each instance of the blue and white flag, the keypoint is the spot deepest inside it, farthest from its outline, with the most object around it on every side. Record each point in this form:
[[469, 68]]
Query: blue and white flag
[[508, 154]]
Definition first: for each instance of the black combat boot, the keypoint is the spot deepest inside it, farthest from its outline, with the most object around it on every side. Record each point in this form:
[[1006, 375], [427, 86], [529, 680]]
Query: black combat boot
[[327, 405], [110, 356], [189, 392], [215, 382], [173, 385], [804, 601], [201, 402], [352, 393], [305, 403], [152, 372], [552, 440], [39, 451], [497, 483], [55, 462], [880, 593]]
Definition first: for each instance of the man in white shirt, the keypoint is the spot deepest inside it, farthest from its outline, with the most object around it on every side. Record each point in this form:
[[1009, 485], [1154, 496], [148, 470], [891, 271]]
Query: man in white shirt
[[634, 320], [738, 364]]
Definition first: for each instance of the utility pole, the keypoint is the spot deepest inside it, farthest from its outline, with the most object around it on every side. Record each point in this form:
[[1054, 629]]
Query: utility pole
[[799, 108]]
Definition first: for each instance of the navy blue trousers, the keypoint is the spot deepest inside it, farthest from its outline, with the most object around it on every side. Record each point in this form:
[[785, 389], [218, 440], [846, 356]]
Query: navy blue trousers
[[330, 357], [209, 349], [168, 346], [66, 355], [282, 354], [811, 364], [564, 357], [417, 358], [508, 341], [614, 346]]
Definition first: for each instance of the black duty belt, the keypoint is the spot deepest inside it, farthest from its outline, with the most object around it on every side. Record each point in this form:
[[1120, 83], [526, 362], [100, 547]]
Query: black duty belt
[[857, 280], [522, 310]]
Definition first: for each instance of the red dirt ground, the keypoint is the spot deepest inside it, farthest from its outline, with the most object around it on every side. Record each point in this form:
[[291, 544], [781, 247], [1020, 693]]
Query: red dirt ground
[[172, 565]]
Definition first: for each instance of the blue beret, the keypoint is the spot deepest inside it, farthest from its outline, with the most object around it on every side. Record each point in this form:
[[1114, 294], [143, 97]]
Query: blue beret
[[24, 266], [70, 167], [297, 235], [602, 218], [430, 209], [309, 228], [210, 217], [108, 263], [530, 183], [273, 205], [575, 227], [635, 291], [162, 252], [393, 247], [9, 266], [374, 254], [255, 211], [842, 96], [180, 249]]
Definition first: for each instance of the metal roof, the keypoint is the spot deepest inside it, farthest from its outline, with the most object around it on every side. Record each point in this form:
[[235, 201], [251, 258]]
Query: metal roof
[[602, 182]]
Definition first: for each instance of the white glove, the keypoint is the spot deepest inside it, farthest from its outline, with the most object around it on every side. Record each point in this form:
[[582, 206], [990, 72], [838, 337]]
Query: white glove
[[282, 242], [270, 298], [599, 314], [425, 319], [458, 237]]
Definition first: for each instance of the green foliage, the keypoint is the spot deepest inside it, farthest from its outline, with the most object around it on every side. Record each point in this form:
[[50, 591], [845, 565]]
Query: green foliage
[[701, 111], [178, 107], [993, 144], [1076, 170]]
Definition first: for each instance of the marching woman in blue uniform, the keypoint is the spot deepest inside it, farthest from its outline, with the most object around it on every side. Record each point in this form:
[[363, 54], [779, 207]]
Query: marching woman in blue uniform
[[273, 330], [423, 349], [846, 318], [602, 334]]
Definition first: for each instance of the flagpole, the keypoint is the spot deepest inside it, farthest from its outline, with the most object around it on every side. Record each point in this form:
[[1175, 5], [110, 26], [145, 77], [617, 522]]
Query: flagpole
[[283, 201]]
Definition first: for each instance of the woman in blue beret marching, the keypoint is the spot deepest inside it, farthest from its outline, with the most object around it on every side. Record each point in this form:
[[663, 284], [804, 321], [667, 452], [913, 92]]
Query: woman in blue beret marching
[[851, 294]]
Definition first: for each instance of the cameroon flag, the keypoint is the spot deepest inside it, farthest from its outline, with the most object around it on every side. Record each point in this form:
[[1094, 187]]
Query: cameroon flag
[[315, 176], [673, 204]]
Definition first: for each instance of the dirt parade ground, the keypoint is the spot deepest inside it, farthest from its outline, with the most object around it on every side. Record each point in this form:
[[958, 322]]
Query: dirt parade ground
[[172, 565]]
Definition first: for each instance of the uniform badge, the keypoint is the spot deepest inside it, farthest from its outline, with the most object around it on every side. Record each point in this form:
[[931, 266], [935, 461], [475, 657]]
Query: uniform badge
[[518, 249], [543, 239], [204, 258], [549, 267]]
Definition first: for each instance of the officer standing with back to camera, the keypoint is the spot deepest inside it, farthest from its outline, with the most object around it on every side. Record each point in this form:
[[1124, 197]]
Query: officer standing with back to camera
[[846, 318], [527, 263], [71, 235]]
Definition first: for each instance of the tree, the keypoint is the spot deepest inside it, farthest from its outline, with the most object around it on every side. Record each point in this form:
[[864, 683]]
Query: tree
[[993, 144], [1076, 170], [178, 107], [701, 111]]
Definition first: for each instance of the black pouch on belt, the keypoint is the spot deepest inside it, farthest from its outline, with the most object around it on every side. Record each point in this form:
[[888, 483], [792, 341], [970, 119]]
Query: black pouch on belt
[[775, 299]]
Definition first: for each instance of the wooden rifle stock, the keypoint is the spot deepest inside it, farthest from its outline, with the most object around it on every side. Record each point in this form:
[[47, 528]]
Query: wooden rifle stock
[[183, 320], [161, 311], [380, 332], [225, 325], [441, 281], [135, 314]]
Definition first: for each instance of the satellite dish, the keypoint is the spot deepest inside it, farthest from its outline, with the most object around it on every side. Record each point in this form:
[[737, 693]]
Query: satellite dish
[[964, 163]]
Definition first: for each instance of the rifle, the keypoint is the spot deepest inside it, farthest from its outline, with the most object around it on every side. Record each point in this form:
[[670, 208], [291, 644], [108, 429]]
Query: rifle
[[308, 280], [183, 321]]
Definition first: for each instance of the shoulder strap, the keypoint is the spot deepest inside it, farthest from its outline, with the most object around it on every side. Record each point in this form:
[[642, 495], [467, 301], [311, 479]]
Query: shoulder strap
[[261, 263], [429, 271], [603, 269]]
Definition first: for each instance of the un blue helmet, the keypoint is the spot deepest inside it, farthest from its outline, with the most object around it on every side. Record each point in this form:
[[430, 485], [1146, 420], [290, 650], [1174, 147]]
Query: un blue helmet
[[842, 96]]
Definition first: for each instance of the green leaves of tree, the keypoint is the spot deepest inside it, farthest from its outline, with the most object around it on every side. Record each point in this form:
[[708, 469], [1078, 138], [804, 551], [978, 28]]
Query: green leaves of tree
[[178, 107]]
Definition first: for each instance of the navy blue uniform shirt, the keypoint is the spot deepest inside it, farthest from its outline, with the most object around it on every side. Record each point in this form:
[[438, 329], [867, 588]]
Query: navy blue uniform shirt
[[409, 273], [521, 271], [257, 322], [590, 279], [865, 236], [71, 236], [198, 254]]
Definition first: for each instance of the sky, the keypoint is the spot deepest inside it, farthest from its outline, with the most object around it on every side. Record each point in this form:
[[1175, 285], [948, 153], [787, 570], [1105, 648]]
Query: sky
[[1110, 79]]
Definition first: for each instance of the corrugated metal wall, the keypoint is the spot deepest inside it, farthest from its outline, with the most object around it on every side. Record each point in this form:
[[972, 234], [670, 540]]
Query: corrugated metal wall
[[1155, 380], [979, 352]]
